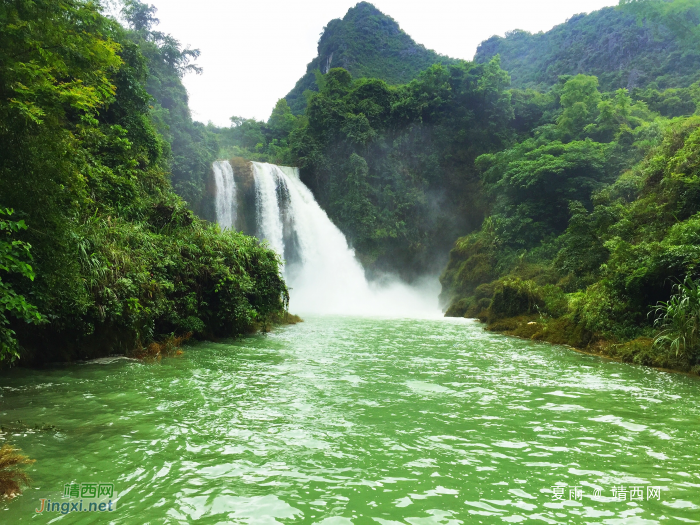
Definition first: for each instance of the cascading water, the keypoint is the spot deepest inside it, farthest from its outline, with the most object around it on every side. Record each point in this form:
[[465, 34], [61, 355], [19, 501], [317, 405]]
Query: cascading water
[[267, 182], [225, 194], [321, 269]]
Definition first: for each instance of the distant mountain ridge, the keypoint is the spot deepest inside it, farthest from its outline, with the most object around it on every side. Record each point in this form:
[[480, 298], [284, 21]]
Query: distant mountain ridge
[[367, 43], [608, 43]]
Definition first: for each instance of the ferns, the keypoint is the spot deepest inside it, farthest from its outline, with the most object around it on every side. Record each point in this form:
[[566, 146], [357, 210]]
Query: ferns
[[678, 320]]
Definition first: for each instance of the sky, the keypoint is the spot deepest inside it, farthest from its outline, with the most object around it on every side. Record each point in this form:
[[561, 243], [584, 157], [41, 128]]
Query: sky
[[254, 51]]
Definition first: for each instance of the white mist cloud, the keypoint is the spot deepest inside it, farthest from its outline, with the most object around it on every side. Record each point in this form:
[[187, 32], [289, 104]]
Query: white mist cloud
[[253, 52]]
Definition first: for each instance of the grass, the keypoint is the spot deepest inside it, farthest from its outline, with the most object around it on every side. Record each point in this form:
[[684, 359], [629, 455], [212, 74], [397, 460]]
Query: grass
[[678, 320]]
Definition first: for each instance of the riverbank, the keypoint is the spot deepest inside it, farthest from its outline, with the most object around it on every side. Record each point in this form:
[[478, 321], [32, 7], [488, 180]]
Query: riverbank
[[171, 345], [639, 351], [167, 346]]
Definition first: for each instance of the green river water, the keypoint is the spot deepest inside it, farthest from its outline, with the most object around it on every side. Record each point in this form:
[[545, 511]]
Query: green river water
[[343, 420]]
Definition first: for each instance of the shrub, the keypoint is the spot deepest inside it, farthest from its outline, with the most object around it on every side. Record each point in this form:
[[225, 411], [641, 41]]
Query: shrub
[[458, 308], [678, 320], [167, 347], [12, 477], [14, 257], [513, 297]]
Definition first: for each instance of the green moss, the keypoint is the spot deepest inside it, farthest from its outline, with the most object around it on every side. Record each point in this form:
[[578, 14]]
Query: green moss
[[512, 325], [556, 331], [478, 308], [564, 331], [641, 351], [458, 308], [527, 327], [513, 297]]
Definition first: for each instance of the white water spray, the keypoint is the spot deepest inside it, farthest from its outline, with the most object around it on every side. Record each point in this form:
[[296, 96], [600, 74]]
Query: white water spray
[[321, 269], [267, 182], [225, 194]]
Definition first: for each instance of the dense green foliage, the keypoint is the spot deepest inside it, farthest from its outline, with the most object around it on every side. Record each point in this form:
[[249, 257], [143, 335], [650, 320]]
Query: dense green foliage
[[681, 17], [189, 148], [393, 166], [14, 257], [597, 218], [610, 44], [261, 141], [368, 44], [118, 260], [679, 320]]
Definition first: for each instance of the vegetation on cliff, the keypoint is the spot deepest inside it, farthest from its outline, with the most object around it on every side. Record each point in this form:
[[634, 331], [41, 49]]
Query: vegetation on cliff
[[597, 232], [620, 48], [591, 236], [98, 252], [189, 147], [368, 44], [393, 166]]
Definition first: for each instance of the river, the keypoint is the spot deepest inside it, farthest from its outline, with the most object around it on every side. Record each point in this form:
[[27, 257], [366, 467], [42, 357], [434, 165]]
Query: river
[[342, 420]]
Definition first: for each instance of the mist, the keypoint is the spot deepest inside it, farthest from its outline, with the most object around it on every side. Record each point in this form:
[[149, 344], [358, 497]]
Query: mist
[[322, 272]]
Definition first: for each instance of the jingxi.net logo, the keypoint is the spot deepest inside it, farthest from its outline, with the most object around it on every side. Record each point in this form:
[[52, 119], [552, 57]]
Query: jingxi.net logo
[[81, 497]]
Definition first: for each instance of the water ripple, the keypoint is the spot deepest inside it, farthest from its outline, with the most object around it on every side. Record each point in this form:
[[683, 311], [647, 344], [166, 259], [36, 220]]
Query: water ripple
[[342, 420]]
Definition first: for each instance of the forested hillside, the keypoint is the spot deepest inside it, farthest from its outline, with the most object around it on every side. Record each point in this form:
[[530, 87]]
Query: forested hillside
[[97, 253], [573, 200], [574, 195], [612, 44], [366, 43], [591, 237], [393, 166], [189, 147]]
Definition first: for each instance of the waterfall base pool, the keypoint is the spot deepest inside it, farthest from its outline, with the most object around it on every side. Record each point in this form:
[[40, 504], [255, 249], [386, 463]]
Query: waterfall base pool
[[343, 420]]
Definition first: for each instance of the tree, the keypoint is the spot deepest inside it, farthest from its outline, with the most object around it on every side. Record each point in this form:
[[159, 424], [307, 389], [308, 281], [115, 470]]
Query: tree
[[579, 101], [534, 183], [14, 257], [140, 17], [117, 259], [281, 121]]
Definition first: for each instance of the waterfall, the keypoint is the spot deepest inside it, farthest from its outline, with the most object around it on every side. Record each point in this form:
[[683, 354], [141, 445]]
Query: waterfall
[[267, 181], [320, 268], [225, 194]]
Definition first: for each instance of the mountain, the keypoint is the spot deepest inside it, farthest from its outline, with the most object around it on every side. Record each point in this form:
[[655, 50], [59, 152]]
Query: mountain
[[368, 44], [610, 44]]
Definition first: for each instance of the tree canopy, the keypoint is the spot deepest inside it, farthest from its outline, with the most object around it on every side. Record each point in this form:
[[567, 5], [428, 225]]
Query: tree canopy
[[98, 251]]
